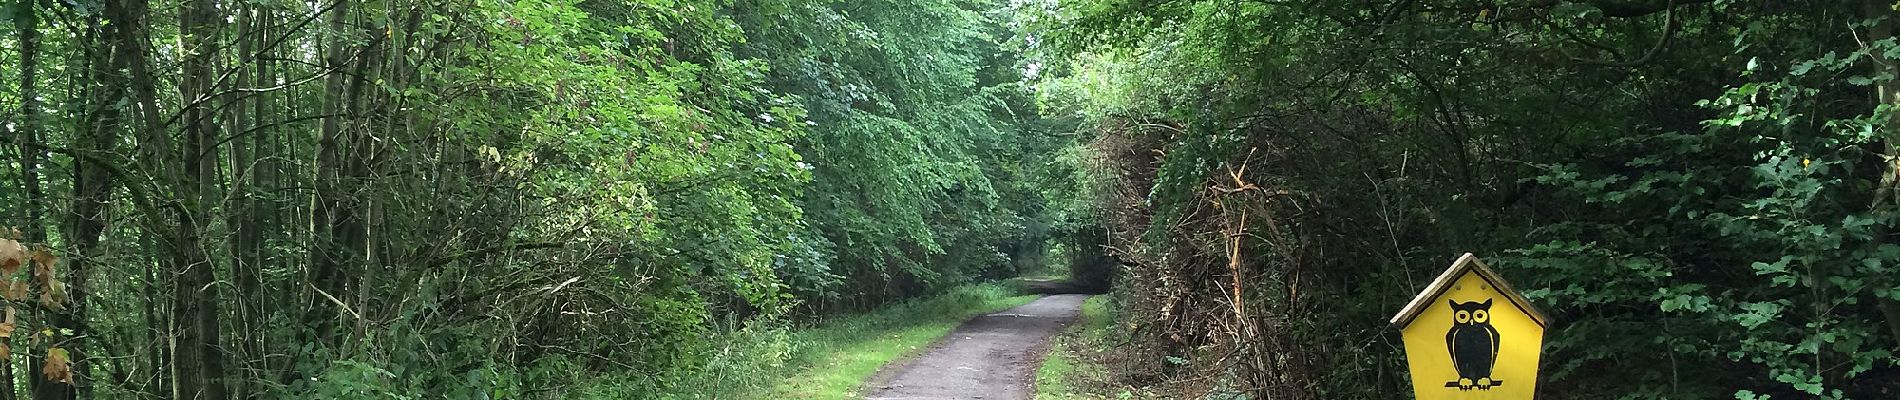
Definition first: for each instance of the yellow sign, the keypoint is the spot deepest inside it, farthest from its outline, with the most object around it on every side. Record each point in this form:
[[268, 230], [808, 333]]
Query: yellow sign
[[1469, 336]]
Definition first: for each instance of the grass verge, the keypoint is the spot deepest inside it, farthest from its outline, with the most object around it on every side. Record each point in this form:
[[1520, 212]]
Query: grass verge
[[1070, 371]]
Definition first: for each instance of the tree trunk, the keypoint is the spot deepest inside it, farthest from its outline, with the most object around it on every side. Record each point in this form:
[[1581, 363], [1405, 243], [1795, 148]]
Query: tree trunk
[[355, 230], [334, 219], [245, 242], [27, 23], [130, 21], [109, 53], [197, 357], [28, 26]]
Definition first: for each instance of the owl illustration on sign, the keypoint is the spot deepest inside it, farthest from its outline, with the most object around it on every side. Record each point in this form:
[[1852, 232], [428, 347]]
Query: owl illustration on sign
[[1474, 345]]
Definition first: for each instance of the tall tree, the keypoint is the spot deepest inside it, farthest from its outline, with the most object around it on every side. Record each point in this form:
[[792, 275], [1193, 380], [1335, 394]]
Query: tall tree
[[106, 54], [27, 24], [197, 355], [338, 227]]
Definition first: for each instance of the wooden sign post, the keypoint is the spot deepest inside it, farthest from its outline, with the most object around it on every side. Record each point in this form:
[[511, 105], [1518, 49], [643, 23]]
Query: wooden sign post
[[1469, 336]]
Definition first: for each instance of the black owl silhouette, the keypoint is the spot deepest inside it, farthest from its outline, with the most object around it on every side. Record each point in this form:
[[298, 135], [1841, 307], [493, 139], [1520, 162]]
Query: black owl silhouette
[[1474, 345]]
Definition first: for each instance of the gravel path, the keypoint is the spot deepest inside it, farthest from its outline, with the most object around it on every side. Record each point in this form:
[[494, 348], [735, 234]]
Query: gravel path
[[991, 357]]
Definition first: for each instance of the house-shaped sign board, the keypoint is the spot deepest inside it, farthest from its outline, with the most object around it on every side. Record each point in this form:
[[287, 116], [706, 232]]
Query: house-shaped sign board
[[1469, 336]]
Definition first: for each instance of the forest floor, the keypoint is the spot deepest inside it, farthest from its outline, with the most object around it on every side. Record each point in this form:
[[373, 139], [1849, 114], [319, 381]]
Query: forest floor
[[991, 357]]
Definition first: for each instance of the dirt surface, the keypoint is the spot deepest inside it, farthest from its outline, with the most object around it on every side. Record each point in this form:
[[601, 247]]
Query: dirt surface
[[991, 357]]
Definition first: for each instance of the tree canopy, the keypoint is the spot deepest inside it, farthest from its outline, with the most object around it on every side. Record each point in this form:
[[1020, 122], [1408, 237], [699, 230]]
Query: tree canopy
[[368, 198], [588, 198]]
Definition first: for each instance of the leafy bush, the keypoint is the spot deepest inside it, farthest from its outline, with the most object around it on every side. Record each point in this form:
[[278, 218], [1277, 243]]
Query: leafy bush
[[1713, 220]]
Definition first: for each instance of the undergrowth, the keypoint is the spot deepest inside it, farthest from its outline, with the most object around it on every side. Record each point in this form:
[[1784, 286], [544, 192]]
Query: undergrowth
[[1075, 368]]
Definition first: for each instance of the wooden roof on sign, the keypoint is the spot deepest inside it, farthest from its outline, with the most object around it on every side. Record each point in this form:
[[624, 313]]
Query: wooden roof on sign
[[1467, 262]]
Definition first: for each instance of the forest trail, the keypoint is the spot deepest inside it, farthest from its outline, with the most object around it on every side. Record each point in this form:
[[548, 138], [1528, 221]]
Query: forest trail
[[990, 357]]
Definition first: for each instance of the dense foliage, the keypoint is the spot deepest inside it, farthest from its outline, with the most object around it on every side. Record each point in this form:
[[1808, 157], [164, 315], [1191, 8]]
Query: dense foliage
[[641, 198], [1699, 192], [487, 199]]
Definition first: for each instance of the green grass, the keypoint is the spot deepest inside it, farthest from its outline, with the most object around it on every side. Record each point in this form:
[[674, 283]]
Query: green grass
[[1052, 379], [1068, 372]]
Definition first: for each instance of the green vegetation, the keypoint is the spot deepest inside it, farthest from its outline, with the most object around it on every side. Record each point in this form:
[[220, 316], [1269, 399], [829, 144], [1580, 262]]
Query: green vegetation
[[491, 198], [1076, 368], [1700, 193], [220, 199]]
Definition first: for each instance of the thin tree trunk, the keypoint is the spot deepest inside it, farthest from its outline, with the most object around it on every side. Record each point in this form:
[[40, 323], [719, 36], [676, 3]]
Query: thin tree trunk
[[130, 18], [156, 352], [354, 230], [28, 26], [270, 178], [197, 357], [92, 185], [27, 23], [332, 219], [244, 243]]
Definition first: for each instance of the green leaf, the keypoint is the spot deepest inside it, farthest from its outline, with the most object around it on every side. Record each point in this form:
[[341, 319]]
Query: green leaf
[[1778, 267], [1801, 68]]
